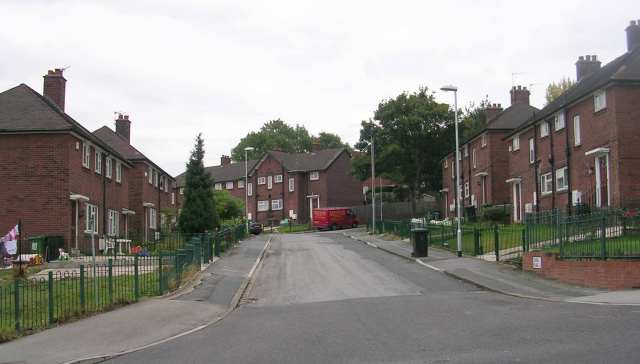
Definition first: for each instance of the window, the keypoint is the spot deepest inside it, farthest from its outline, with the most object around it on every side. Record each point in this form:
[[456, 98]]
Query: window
[[599, 100], [544, 129], [314, 176], [562, 180], [559, 120], [466, 189], [155, 178], [546, 183], [91, 217], [118, 172], [98, 162], [453, 170], [576, 130], [86, 155], [263, 206], [465, 150], [292, 184], [113, 223], [182, 190], [262, 180], [152, 218], [270, 182], [217, 186], [173, 198], [473, 157], [166, 184], [483, 140], [446, 162], [249, 189], [163, 220], [150, 175], [240, 183], [532, 151], [229, 185], [277, 178], [107, 167], [516, 142], [276, 204]]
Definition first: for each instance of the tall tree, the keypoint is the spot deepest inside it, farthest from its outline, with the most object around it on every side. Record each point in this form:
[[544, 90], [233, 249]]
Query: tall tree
[[329, 140], [556, 89], [274, 134], [198, 211], [227, 206], [474, 118], [413, 133]]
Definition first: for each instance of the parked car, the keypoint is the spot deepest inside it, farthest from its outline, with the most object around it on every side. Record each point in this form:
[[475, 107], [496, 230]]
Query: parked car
[[255, 228], [334, 218]]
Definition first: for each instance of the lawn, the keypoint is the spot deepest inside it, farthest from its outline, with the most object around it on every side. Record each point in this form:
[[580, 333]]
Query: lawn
[[619, 247]]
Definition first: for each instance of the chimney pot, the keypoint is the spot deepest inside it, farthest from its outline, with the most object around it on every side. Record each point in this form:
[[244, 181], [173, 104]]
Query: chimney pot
[[55, 86], [586, 66], [225, 160], [520, 95], [123, 127]]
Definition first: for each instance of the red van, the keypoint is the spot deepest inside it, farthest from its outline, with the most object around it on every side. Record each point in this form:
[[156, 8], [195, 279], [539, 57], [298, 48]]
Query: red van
[[334, 218]]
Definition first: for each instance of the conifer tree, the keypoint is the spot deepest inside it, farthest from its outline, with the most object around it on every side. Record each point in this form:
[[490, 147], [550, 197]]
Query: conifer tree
[[198, 210]]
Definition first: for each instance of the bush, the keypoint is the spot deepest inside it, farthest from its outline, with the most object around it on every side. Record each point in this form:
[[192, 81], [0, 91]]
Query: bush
[[495, 214]]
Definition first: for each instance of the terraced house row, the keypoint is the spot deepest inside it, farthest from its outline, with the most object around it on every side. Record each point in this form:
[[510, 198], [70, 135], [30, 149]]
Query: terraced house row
[[60, 179], [579, 150]]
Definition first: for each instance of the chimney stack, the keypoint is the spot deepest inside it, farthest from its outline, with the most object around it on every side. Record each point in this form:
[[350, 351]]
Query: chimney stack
[[586, 65], [123, 127], [519, 95], [492, 110], [315, 146], [633, 35], [225, 160], [54, 86]]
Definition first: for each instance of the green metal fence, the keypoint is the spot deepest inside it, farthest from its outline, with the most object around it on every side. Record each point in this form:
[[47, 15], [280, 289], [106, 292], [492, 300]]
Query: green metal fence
[[54, 296]]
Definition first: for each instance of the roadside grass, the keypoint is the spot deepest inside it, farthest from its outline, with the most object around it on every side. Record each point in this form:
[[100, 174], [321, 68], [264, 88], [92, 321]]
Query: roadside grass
[[624, 246], [7, 275], [294, 228]]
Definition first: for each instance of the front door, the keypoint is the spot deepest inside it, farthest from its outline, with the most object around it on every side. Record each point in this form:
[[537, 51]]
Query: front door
[[517, 202], [602, 180]]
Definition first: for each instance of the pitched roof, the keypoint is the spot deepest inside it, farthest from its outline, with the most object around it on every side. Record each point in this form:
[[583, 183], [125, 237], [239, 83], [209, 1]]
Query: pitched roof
[[625, 68], [305, 162], [23, 110], [118, 143], [223, 173]]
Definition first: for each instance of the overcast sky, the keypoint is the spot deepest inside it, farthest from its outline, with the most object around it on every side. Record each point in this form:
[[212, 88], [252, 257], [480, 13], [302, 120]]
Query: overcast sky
[[223, 68]]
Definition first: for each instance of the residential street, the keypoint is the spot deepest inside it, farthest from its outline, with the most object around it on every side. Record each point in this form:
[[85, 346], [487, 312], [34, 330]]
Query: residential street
[[325, 298]]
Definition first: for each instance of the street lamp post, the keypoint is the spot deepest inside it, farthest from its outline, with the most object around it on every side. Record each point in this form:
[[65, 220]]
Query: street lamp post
[[246, 187], [373, 187], [454, 89]]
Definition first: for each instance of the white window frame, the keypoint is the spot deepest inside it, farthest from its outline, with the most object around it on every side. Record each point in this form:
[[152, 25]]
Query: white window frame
[[240, 183], [152, 219], [228, 185], [577, 137], [91, 218], [250, 189], [86, 155], [483, 140], [150, 175], [155, 178], [262, 180], [263, 205], [181, 190], [292, 184], [532, 150], [98, 162], [276, 205], [544, 129], [118, 171], [466, 189], [269, 182], [559, 120], [314, 176], [473, 157], [113, 223], [173, 198], [446, 163], [599, 100], [516, 142], [108, 165], [562, 176], [546, 184], [277, 178], [465, 149], [166, 184], [217, 186]]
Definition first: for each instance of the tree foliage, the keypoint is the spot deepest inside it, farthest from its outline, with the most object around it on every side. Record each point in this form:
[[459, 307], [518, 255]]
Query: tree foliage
[[277, 134], [198, 211], [412, 135], [556, 89], [227, 206], [474, 119]]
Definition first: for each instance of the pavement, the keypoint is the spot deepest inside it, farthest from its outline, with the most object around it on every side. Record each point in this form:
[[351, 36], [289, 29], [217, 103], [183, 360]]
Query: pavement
[[497, 277], [211, 296]]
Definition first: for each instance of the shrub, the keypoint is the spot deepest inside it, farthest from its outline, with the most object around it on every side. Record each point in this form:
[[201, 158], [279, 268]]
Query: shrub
[[495, 214]]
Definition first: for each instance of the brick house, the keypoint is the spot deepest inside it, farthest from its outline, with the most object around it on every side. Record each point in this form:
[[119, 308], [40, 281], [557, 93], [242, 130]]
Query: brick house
[[582, 147], [484, 157], [58, 178], [151, 193], [281, 185]]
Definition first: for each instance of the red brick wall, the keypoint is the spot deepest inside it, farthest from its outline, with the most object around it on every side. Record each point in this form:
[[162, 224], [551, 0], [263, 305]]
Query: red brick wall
[[609, 274], [140, 192], [270, 167], [342, 187]]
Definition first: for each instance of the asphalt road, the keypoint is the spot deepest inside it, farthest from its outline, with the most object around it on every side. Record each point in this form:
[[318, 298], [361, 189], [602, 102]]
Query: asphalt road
[[324, 298]]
